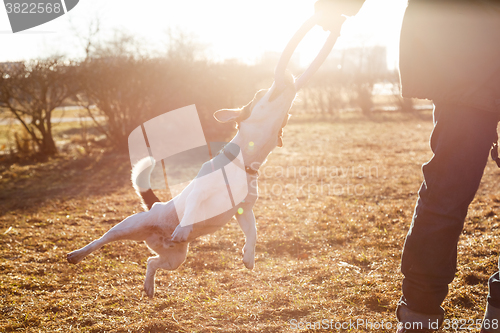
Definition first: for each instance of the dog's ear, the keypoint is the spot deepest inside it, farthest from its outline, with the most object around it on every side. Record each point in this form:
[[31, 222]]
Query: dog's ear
[[241, 114], [227, 115]]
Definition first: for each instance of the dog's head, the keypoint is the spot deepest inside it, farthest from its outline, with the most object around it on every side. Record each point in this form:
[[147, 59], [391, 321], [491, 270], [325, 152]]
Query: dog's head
[[262, 120]]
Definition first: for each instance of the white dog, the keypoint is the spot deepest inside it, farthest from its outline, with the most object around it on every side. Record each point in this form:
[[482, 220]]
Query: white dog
[[167, 228]]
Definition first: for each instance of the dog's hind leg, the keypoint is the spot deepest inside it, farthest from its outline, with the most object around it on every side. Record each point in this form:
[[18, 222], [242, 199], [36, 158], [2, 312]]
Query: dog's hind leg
[[132, 228], [246, 220], [169, 259]]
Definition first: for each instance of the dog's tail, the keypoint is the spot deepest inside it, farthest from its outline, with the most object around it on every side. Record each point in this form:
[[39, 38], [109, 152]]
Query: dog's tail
[[141, 174]]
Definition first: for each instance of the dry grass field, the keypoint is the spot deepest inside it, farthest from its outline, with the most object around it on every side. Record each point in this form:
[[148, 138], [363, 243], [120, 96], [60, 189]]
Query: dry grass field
[[336, 202]]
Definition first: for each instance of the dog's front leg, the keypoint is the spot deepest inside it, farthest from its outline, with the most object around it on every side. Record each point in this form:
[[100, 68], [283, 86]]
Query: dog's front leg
[[181, 234], [246, 220], [183, 230], [170, 258], [149, 282]]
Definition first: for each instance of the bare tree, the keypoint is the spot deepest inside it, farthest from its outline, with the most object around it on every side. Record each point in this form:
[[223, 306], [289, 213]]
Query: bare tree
[[184, 46], [128, 87], [371, 67], [122, 90], [326, 91], [31, 91]]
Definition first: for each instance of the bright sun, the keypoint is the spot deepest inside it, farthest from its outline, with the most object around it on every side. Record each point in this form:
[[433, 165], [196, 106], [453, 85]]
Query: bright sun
[[230, 29]]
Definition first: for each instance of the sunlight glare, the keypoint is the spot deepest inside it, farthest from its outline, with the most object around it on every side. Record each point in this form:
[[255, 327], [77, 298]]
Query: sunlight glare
[[230, 29]]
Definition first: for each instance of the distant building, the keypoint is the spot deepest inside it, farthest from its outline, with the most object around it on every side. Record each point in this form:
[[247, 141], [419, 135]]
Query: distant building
[[363, 60], [270, 59]]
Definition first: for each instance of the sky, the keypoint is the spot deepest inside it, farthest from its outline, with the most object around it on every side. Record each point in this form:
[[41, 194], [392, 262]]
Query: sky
[[240, 29]]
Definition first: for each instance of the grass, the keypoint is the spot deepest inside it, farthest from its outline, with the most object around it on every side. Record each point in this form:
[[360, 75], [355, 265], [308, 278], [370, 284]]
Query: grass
[[67, 135], [320, 255]]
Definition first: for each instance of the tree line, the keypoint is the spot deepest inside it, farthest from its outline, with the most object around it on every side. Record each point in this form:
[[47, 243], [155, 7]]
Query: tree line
[[120, 89]]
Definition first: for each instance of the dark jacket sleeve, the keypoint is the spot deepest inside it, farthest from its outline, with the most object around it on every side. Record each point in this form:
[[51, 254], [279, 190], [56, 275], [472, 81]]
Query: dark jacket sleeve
[[450, 51]]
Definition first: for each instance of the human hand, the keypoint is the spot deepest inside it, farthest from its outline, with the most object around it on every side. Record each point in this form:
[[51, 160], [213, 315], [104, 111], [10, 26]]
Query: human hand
[[335, 11]]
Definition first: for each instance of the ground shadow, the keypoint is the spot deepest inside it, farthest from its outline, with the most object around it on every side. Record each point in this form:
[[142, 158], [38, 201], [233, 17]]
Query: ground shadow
[[26, 186]]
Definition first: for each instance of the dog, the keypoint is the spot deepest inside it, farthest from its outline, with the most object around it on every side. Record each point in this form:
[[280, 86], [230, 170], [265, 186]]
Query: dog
[[169, 227]]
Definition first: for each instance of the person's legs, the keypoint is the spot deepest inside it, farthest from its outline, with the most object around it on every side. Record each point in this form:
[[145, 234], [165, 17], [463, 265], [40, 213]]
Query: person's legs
[[491, 320], [461, 141]]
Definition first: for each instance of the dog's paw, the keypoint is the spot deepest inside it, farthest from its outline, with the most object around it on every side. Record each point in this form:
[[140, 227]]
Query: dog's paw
[[149, 289], [249, 258], [74, 257], [181, 234]]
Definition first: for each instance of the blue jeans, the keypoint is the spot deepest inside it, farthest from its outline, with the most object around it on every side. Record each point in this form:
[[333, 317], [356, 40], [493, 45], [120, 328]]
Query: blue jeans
[[461, 142]]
